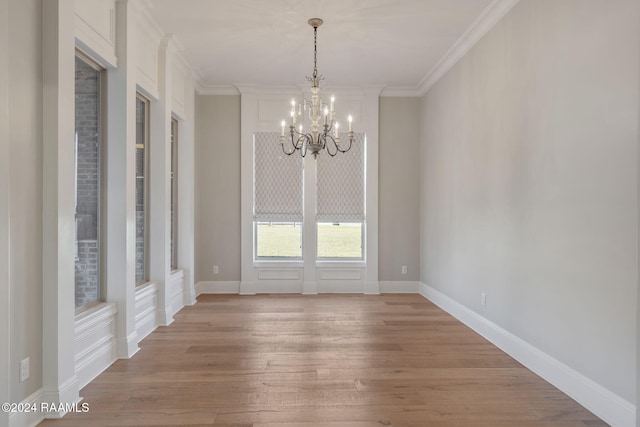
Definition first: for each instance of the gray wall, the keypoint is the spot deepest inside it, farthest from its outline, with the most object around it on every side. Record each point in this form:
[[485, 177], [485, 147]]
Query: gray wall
[[529, 182], [25, 138], [217, 228], [399, 185], [218, 188]]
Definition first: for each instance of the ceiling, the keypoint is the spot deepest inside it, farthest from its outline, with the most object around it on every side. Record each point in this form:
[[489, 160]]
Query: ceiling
[[392, 43]]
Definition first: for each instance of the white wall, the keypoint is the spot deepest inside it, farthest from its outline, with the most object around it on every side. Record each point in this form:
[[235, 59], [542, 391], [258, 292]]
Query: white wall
[[25, 193], [36, 225], [529, 183]]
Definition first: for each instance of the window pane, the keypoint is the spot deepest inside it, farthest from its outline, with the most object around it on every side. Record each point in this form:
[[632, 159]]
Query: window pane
[[141, 142], [174, 194], [87, 183], [278, 240], [340, 240]]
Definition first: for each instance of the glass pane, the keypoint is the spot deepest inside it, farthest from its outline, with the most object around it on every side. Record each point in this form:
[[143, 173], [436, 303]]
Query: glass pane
[[174, 193], [87, 179], [340, 240], [141, 131], [279, 240]]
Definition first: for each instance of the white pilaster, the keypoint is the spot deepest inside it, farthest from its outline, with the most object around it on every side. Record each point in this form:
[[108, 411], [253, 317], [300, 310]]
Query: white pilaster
[[249, 115], [120, 221], [60, 384], [160, 184], [186, 194], [371, 106], [310, 231]]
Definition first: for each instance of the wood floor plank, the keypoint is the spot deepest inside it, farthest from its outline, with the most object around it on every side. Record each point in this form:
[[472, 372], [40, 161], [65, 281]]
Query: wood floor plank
[[321, 361]]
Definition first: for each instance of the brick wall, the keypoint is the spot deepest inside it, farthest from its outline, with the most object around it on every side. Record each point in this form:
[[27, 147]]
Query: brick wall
[[87, 182]]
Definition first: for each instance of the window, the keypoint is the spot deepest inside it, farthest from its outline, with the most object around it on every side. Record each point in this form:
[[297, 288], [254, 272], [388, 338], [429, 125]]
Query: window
[[277, 210], [340, 212], [88, 171], [142, 138], [340, 240], [174, 194]]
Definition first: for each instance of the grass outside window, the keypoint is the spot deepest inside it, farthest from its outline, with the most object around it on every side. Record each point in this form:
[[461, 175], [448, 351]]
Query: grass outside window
[[340, 240]]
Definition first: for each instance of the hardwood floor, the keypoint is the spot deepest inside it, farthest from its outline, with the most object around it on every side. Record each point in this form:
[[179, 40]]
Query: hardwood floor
[[324, 360]]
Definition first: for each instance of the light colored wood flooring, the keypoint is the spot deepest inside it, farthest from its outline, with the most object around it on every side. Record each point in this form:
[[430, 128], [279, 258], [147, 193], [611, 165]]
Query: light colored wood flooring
[[324, 360]]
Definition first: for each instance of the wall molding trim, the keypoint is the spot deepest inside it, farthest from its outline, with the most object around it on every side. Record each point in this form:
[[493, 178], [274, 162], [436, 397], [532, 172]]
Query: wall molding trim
[[309, 288], [399, 287], [20, 419], [221, 287], [95, 342], [67, 393], [605, 404], [146, 306], [481, 26]]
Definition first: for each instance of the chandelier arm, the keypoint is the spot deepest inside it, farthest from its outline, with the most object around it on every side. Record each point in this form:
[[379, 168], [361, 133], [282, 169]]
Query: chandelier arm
[[288, 153], [348, 148], [327, 138]]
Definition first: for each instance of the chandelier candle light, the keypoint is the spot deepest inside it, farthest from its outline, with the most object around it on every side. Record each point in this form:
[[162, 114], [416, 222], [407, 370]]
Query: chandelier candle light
[[320, 136]]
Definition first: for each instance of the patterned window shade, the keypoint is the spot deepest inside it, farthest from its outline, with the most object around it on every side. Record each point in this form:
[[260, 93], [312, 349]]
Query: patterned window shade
[[341, 183], [277, 181]]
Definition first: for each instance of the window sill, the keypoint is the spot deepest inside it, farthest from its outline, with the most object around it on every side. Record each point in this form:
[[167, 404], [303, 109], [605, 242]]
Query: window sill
[[341, 264], [97, 310], [278, 264]]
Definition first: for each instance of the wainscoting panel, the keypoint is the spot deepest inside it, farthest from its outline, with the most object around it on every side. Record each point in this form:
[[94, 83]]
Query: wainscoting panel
[[176, 285], [146, 306], [95, 342]]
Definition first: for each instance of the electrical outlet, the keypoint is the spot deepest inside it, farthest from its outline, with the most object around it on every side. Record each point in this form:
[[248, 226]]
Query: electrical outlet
[[24, 369], [216, 270], [404, 269], [483, 299]]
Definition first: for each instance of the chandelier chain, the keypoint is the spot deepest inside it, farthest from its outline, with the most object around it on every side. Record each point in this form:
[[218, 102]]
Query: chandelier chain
[[315, 52]]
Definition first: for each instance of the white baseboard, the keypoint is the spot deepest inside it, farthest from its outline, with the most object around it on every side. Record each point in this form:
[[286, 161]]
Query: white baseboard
[[397, 287], [607, 405], [389, 287], [217, 288], [128, 346], [32, 418]]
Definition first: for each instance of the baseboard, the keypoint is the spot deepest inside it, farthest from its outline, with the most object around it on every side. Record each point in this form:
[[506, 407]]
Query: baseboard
[[128, 346], [31, 418], [62, 399], [217, 287], [397, 287], [607, 405], [233, 287]]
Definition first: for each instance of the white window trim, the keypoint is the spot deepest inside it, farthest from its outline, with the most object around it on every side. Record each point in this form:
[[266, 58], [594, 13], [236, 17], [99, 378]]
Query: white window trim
[[258, 114]]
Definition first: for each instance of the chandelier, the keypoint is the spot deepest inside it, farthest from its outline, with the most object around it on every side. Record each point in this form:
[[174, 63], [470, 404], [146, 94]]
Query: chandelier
[[323, 127]]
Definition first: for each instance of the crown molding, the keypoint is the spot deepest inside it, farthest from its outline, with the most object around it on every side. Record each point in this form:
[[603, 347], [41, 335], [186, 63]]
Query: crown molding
[[401, 91], [481, 26], [205, 89]]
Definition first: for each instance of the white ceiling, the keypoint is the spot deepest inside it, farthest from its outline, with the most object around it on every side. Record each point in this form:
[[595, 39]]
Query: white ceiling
[[394, 43]]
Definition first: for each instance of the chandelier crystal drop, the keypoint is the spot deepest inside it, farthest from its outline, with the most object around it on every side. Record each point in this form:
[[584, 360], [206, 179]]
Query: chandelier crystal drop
[[324, 129]]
